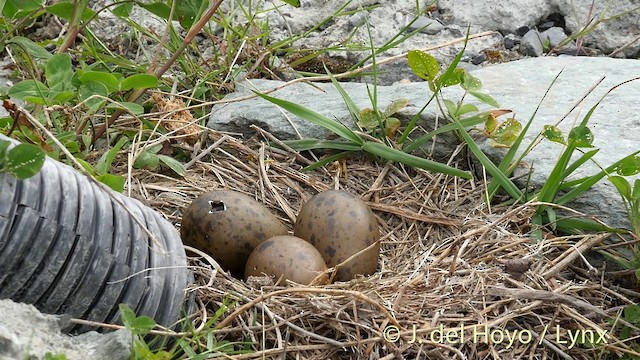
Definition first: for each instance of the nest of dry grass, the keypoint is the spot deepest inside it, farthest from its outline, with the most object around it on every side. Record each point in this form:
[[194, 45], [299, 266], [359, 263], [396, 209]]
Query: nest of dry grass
[[455, 279]]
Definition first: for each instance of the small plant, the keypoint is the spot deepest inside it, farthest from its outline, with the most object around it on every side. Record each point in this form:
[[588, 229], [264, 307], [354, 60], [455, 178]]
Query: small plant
[[22, 161]]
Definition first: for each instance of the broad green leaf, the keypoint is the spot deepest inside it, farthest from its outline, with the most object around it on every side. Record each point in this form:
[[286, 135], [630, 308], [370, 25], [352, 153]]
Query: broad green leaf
[[628, 167], [507, 133], [391, 126], [423, 65], [581, 136], [115, 182], [139, 81], [4, 146], [174, 164], [89, 89], [105, 161], [31, 48], [108, 80], [133, 108], [466, 108], [61, 97], [451, 107], [295, 3], [24, 160], [189, 11], [26, 5], [393, 154], [484, 98], [553, 133], [318, 119], [491, 125], [64, 10], [29, 89], [453, 78], [58, 70], [368, 119], [154, 149], [396, 106], [158, 8], [470, 82], [123, 10], [136, 325], [311, 144], [146, 160], [622, 185]]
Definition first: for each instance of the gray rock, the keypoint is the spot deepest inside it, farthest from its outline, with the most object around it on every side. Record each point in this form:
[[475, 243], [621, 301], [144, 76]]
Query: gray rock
[[554, 35], [532, 43], [517, 85], [426, 26], [27, 333]]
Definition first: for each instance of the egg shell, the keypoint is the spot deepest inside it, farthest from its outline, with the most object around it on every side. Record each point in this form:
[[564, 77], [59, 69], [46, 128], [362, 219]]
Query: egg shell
[[288, 257], [339, 225], [228, 225]]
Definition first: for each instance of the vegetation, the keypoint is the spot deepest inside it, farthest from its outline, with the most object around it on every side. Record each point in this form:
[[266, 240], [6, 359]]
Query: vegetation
[[96, 103]]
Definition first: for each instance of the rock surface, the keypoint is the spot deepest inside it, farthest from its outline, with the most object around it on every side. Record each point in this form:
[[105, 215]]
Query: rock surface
[[517, 85], [25, 333]]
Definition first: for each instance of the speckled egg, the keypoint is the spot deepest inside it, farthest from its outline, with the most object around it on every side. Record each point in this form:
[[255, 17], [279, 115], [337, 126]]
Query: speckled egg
[[339, 225], [288, 257], [228, 225]]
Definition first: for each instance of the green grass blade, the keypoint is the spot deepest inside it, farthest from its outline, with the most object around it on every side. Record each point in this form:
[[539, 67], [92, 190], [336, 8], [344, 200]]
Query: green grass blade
[[507, 165], [587, 183], [312, 116], [325, 161], [576, 164], [353, 108], [392, 154], [493, 170], [311, 144], [467, 122]]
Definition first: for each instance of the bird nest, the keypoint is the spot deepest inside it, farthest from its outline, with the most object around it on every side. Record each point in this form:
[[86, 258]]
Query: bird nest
[[456, 278]]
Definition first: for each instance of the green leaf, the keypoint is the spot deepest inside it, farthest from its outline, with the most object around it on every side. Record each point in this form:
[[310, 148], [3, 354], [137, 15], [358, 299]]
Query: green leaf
[[391, 126], [105, 161], [173, 164], [581, 136], [629, 166], [24, 160], [190, 11], [29, 89], [553, 133], [311, 144], [392, 154], [491, 125], [139, 81], [622, 185], [58, 70], [470, 82], [396, 106], [130, 107], [318, 119], [115, 182], [136, 325], [453, 78], [466, 108], [157, 8], [64, 10], [146, 160], [423, 65], [108, 80], [635, 195], [26, 5], [507, 133], [4, 146], [123, 10], [31, 48], [484, 98], [92, 88], [466, 122], [368, 119], [295, 3]]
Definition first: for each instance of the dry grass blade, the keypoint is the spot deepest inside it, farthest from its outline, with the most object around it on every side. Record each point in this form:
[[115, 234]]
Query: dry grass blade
[[445, 263]]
